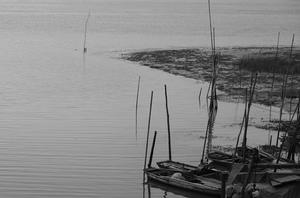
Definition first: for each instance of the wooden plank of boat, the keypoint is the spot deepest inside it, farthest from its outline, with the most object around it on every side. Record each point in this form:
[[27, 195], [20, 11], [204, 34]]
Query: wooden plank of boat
[[189, 182], [283, 180], [178, 166]]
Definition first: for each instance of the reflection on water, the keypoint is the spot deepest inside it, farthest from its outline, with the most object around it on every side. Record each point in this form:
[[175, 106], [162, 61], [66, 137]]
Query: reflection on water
[[167, 191]]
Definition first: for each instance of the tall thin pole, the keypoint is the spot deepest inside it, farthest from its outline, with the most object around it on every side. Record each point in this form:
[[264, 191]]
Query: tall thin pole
[[277, 46], [243, 122], [273, 80], [168, 124], [210, 26], [291, 53], [292, 46], [252, 88], [148, 130], [85, 31], [152, 150], [283, 90], [199, 98], [136, 106]]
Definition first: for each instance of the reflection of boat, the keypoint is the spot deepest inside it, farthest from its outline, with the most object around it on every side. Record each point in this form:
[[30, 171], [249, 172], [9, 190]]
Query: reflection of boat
[[206, 183], [170, 189]]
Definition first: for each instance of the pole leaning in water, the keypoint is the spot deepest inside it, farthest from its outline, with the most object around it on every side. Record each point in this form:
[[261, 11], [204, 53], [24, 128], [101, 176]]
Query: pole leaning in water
[[147, 139], [152, 150]]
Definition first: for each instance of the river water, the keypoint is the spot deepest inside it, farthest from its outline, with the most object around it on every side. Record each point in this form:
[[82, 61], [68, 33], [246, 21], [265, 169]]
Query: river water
[[67, 121]]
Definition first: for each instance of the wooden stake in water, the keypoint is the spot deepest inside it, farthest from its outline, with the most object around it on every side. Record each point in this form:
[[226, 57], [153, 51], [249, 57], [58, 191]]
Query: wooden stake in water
[[168, 124], [136, 106], [152, 150], [148, 130], [199, 98], [85, 31]]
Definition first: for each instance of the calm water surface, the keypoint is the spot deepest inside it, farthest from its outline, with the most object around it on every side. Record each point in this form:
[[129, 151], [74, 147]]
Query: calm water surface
[[67, 121]]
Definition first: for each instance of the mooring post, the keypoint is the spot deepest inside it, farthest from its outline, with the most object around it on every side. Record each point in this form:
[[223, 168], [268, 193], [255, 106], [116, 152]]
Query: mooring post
[[136, 106], [168, 123], [152, 150], [147, 140]]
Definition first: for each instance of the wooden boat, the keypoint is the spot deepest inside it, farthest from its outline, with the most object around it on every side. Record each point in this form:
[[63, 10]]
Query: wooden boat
[[206, 183], [177, 166]]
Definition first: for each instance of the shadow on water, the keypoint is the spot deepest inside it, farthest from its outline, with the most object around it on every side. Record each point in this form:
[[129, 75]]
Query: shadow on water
[[167, 191]]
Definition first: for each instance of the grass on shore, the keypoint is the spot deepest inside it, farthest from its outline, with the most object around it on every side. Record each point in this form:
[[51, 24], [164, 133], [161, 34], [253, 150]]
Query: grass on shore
[[267, 63]]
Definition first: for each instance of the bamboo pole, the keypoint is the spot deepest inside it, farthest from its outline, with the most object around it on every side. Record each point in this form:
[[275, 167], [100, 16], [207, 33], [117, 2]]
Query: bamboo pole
[[152, 150], [168, 124], [136, 106], [210, 26], [281, 107], [85, 31], [148, 130], [250, 170], [199, 98], [243, 121], [208, 89], [252, 88], [292, 46], [291, 53], [298, 111], [204, 143], [273, 80]]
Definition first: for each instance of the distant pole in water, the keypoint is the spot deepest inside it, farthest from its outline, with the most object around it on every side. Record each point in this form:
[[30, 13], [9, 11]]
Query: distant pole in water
[[136, 105], [147, 139], [168, 124], [152, 150], [199, 98], [292, 75], [85, 31], [292, 46]]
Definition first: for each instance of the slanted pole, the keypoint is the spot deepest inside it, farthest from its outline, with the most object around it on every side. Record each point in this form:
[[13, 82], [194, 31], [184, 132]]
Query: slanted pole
[[252, 88], [136, 106], [243, 122], [85, 31], [152, 150], [147, 139], [199, 98], [168, 124]]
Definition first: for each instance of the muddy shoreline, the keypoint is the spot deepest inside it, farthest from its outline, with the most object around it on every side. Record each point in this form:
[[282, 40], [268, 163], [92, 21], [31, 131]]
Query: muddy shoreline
[[232, 81]]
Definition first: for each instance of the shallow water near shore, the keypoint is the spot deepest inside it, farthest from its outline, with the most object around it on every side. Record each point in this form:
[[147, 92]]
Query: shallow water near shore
[[67, 120]]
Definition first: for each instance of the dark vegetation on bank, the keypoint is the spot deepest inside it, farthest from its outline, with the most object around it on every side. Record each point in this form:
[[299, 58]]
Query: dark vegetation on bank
[[234, 70], [270, 64]]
